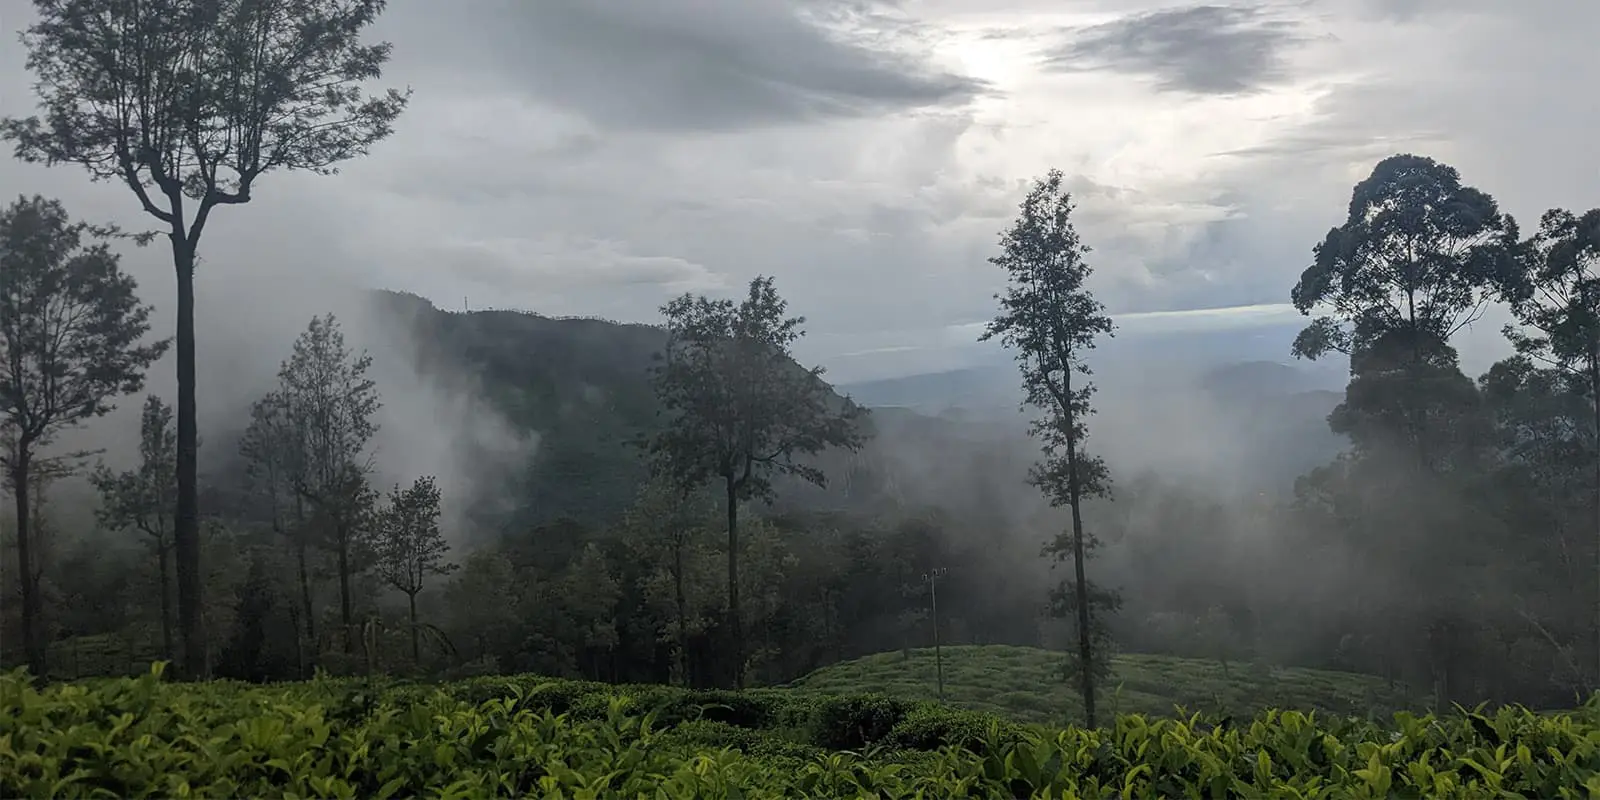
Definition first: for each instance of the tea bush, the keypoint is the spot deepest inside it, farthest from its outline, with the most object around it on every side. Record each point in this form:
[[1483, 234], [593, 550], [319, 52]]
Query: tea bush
[[1025, 684], [520, 736]]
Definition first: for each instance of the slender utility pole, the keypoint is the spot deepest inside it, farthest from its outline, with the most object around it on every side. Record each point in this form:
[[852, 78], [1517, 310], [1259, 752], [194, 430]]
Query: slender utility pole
[[932, 579]]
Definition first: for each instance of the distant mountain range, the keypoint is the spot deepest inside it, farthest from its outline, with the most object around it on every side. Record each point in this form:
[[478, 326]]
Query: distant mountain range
[[1241, 426]]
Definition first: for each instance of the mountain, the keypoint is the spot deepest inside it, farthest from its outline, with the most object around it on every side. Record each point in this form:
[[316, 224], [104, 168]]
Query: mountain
[[933, 393], [952, 439], [1240, 426], [582, 385]]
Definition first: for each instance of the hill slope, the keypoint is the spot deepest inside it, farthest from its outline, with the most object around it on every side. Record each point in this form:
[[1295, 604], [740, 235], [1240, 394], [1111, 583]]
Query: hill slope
[[583, 386], [1025, 684]]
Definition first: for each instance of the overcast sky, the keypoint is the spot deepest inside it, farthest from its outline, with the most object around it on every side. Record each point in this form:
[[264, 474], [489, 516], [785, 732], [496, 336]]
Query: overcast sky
[[598, 156]]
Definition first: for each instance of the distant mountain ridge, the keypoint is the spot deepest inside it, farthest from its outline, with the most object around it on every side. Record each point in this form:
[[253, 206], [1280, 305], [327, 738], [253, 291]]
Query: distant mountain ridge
[[1241, 424]]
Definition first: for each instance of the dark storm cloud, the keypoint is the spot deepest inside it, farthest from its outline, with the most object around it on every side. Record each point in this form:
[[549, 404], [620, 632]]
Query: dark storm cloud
[[1201, 49], [684, 64]]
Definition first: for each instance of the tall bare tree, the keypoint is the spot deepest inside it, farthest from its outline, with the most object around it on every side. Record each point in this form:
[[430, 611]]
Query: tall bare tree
[[1049, 317], [143, 499], [741, 410], [71, 341], [188, 103]]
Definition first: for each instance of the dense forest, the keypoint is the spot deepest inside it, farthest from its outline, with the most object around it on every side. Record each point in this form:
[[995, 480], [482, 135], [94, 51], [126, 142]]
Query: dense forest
[[684, 503]]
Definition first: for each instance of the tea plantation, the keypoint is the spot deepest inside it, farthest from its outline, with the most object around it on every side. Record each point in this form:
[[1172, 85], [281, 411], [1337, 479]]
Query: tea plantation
[[1025, 684], [525, 736]]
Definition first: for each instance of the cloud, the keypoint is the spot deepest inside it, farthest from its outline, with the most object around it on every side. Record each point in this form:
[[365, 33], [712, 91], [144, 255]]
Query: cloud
[[1204, 49], [868, 155], [682, 65]]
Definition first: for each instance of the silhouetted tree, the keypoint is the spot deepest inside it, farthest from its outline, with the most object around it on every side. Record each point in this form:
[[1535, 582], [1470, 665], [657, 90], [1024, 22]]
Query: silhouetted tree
[[273, 446], [1051, 320], [1410, 266], [410, 546], [663, 525], [325, 394], [741, 410], [188, 104], [1554, 290], [143, 499], [71, 328]]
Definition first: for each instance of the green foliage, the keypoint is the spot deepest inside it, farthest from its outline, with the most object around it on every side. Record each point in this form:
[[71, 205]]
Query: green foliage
[[144, 498], [70, 325], [70, 330], [740, 409], [188, 104], [1554, 291], [380, 739], [410, 547], [150, 94], [1023, 684], [1417, 251], [1051, 319]]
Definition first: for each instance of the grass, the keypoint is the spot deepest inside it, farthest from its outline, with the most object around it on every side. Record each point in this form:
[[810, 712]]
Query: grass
[[1025, 684]]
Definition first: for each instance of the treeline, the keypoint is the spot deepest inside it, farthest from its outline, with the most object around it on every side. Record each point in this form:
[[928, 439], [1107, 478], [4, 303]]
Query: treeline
[[1464, 575]]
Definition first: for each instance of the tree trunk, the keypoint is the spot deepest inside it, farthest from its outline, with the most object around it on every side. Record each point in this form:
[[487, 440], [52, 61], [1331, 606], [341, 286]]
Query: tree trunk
[[735, 621], [300, 547], [683, 612], [166, 606], [32, 643], [416, 647], [344, 589], [1085, 635], [186, 522], [305, 601], [1594, 384]]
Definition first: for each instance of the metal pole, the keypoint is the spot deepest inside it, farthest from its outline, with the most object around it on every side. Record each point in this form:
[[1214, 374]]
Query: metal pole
[[932, 579]]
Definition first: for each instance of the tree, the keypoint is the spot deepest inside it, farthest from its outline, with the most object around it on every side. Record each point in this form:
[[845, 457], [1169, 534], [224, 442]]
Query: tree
[[665, 518], [741, 410], [188, 104], [1554, 290], [272, 447], [143, 498], [1051, 320], [410, 546], [71, 327], [325, 393], [1409, 268], [589, 596]]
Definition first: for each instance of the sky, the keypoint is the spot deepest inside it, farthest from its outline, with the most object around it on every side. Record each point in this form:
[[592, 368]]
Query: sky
[[596, 157]]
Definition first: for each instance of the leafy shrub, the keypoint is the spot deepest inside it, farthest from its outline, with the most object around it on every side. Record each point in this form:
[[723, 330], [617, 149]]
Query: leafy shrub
[[931, 727], [851, 723], [345, 738]]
